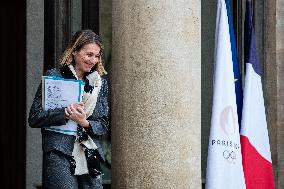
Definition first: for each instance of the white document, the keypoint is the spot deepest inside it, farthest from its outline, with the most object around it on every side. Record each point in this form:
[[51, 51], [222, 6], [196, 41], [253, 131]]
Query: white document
[[58, 93]]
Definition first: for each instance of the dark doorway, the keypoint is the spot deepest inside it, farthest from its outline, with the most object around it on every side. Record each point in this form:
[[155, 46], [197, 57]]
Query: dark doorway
[[61, 20], [13, 94]]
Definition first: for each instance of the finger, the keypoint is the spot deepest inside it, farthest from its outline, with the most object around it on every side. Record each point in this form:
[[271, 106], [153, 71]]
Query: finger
[[80, 110], [72, 108], [66, 113], [80, 107], [69, 110], [72, 105], [81, 104]]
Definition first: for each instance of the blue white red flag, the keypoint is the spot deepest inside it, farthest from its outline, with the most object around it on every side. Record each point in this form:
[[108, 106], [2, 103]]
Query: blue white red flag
[[256, 155]]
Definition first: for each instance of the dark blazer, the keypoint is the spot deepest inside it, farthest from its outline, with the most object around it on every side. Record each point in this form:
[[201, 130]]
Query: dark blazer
[[99, 120]]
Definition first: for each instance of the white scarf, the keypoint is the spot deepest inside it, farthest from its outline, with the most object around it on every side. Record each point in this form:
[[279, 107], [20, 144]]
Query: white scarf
[[89, 101]]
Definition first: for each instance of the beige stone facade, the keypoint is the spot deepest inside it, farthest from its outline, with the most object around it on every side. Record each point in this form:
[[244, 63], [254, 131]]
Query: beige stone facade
[[162, 55]]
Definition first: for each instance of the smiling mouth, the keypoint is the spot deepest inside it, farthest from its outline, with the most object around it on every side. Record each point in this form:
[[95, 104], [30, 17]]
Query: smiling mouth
[[89, 65]]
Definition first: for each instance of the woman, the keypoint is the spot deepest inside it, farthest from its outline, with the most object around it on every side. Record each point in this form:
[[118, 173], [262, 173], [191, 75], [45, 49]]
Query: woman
[[62, 166]]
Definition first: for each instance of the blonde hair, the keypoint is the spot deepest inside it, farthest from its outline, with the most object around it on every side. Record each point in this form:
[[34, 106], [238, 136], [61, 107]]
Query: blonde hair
[[81, 38]]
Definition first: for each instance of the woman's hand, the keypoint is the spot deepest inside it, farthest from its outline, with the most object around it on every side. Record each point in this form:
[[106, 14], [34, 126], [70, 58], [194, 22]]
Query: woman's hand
[[72, 108], [75, 112]]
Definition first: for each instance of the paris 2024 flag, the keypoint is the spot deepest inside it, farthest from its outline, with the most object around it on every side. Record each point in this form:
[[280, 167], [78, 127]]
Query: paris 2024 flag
[[224, 161], [256, 154]]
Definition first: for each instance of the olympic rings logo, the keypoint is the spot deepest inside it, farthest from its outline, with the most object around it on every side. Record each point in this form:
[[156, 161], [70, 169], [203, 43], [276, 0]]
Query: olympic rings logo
[[230, 156]]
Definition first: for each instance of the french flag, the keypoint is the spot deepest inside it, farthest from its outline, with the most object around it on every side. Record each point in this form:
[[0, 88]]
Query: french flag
[[256, 155]]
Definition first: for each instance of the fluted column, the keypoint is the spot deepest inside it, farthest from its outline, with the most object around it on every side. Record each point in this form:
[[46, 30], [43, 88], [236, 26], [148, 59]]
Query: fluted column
[[156, 96], [274, 70]]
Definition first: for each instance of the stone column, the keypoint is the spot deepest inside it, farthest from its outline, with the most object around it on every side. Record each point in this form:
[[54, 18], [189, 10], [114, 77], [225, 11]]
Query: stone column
[[156, 94], [274, 74], [35, 51]]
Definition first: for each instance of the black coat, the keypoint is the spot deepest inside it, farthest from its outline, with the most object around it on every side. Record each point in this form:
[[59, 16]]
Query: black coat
[[99, 120]]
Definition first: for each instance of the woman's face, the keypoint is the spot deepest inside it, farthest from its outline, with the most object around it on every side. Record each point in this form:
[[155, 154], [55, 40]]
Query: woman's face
[[87, 57]]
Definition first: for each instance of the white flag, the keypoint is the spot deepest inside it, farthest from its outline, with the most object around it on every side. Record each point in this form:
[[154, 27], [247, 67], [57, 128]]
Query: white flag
[[224, 161]]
